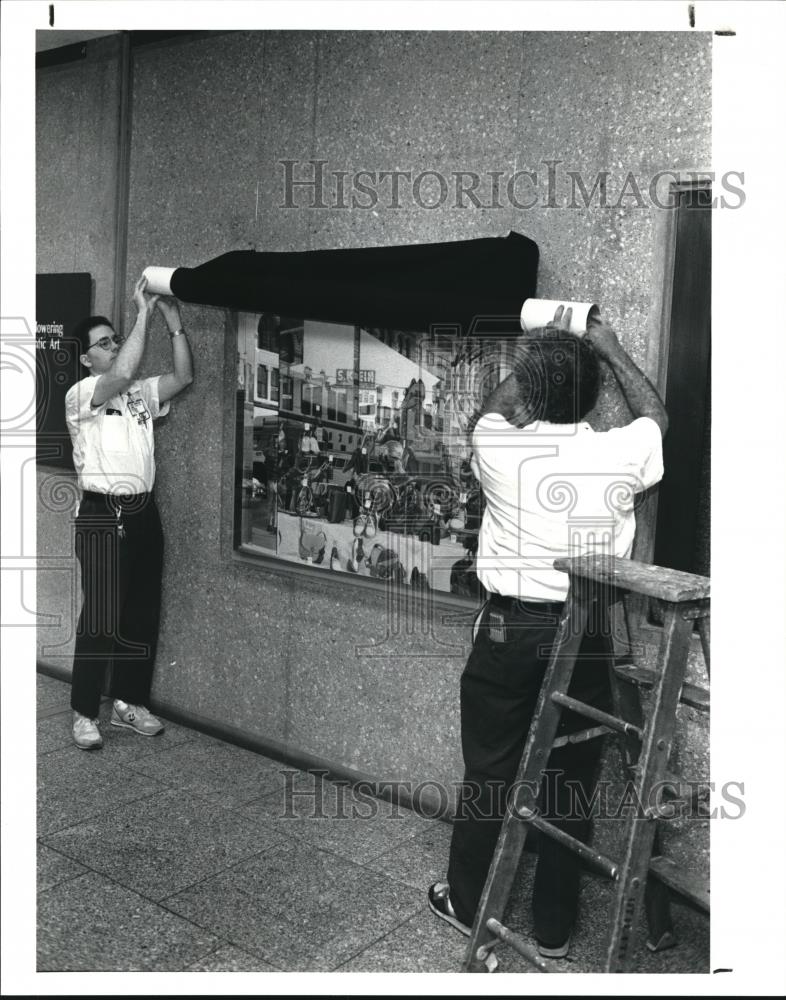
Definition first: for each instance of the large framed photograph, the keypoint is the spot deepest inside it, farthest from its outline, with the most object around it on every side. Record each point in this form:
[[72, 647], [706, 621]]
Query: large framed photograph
[[354, 456]]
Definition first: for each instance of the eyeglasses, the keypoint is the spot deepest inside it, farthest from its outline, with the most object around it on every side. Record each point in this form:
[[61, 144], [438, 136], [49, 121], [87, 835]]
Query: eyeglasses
[[105, 343]]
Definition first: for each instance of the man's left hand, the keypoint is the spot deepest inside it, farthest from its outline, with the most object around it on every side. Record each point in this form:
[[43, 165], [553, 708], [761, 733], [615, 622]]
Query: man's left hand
[[171, 313]]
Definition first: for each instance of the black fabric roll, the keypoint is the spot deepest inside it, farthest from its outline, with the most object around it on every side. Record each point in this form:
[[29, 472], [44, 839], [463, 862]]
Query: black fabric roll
[[407, 287]]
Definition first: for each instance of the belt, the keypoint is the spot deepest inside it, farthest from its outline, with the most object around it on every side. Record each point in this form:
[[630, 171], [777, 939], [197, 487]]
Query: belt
[[511, 604], [117, 499]]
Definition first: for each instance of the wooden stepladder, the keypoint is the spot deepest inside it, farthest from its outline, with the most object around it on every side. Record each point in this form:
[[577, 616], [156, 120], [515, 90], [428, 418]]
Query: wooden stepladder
[[647, 737]]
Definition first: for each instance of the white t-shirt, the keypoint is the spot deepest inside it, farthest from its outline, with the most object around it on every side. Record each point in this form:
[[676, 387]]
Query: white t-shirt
[[113, 443], [557, 490]]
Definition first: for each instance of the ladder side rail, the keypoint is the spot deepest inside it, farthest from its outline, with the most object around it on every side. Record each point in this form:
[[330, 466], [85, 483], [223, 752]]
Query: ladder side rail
[[640, 828]]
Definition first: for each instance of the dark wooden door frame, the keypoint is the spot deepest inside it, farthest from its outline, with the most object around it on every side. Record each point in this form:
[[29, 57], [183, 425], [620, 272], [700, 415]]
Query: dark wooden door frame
[[640, 629]]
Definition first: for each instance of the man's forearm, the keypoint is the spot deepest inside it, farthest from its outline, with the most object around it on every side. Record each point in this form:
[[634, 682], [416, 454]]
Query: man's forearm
[[640, 394], [182, 360], [130, 354]]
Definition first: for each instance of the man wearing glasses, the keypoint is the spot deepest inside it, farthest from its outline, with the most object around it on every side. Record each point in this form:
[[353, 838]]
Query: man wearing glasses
[[119, 542]]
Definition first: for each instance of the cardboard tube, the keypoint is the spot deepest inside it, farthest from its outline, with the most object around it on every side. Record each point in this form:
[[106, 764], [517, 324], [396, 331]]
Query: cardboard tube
[[158, 280], [537, 313]]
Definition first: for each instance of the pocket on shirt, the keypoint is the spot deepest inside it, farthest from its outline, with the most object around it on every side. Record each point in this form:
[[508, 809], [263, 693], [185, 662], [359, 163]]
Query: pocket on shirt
[[114, 433]]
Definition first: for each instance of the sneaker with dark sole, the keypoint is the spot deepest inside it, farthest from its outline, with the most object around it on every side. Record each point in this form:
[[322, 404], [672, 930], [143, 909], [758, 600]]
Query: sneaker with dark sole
[[86, 733], [439, 903], [135, 717], [554, 950]]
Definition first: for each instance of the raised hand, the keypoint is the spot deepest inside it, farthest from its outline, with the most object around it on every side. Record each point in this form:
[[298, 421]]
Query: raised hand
[[169, 310], [561, 320], [603, 339], [143, 301]]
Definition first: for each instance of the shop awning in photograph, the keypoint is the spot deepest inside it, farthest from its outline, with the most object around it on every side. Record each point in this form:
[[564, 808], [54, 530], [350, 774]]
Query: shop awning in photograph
[[471, 284]]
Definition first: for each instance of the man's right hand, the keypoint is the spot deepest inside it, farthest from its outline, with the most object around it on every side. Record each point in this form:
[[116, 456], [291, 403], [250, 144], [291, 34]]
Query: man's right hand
[[143, 301], [603, 339]]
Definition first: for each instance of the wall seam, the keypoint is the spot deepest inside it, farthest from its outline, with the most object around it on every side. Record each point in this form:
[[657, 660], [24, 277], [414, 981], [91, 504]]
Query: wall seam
[[517, 133], [123, 172]]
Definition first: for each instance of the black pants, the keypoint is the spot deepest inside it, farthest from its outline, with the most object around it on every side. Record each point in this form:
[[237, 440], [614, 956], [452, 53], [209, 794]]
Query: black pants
[[121, 561], [499, 691]]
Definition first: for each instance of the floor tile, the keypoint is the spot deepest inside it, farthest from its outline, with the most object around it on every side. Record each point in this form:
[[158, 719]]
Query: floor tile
[[52, 868], [90, 924], [213, 770], [228, 958], [424, 943], [420, 860], [164, 843], [75, 784], [298, 908], [51, 693], [54, 732], [334, 817]]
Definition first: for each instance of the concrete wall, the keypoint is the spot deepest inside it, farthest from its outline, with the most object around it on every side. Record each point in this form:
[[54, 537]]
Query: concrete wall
[[78, 126], [274, 653]]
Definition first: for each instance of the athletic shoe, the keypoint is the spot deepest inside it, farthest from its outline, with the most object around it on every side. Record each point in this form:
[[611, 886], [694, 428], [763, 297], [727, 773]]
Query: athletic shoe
[[439, 903], [135, 717], [86, 733], [556, 950], [335, 562]]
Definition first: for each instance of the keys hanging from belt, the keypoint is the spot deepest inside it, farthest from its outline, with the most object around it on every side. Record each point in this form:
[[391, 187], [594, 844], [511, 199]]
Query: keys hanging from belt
[[121, 531]]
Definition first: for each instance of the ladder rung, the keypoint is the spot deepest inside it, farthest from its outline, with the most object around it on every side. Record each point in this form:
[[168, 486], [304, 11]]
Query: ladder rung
[[583, 736], [619, 725], [673, 808], [693, 888], [695, 789], [598, 861], [517, 942], [677, 803], [692, 694]]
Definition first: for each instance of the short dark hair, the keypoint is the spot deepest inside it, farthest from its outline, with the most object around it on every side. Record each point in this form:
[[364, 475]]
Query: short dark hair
[[84, 328], [558, 375]]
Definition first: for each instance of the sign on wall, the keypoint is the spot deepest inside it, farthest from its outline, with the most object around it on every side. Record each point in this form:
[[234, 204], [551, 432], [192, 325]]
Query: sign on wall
[[62, 300]]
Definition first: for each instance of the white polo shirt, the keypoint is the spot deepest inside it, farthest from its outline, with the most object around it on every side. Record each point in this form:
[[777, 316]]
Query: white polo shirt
[[557, 490], [113, 442]]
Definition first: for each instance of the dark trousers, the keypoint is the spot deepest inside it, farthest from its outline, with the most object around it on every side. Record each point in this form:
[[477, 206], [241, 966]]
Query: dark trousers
[[121, 561], [499, 691]]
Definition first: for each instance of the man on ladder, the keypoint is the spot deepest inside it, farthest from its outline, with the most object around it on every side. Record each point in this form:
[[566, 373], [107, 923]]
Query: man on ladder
[[553, 488]]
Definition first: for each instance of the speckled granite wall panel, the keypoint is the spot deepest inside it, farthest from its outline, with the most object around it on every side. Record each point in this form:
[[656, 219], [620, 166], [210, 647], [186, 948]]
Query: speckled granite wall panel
[[371, 689], [58, 596], [623, 103], [194, 149], [422, 104], [224, 651], [289, 68], [77, 122]]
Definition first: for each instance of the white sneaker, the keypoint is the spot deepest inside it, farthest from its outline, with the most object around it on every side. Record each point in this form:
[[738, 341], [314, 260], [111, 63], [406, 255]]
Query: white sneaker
[[86, 733], [135, 717]]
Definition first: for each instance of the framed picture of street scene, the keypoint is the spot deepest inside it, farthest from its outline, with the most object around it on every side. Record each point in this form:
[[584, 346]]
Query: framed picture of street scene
[[354, 454]]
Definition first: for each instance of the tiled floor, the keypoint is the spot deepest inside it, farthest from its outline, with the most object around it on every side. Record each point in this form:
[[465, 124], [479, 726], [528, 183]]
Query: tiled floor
[[196, 855]]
